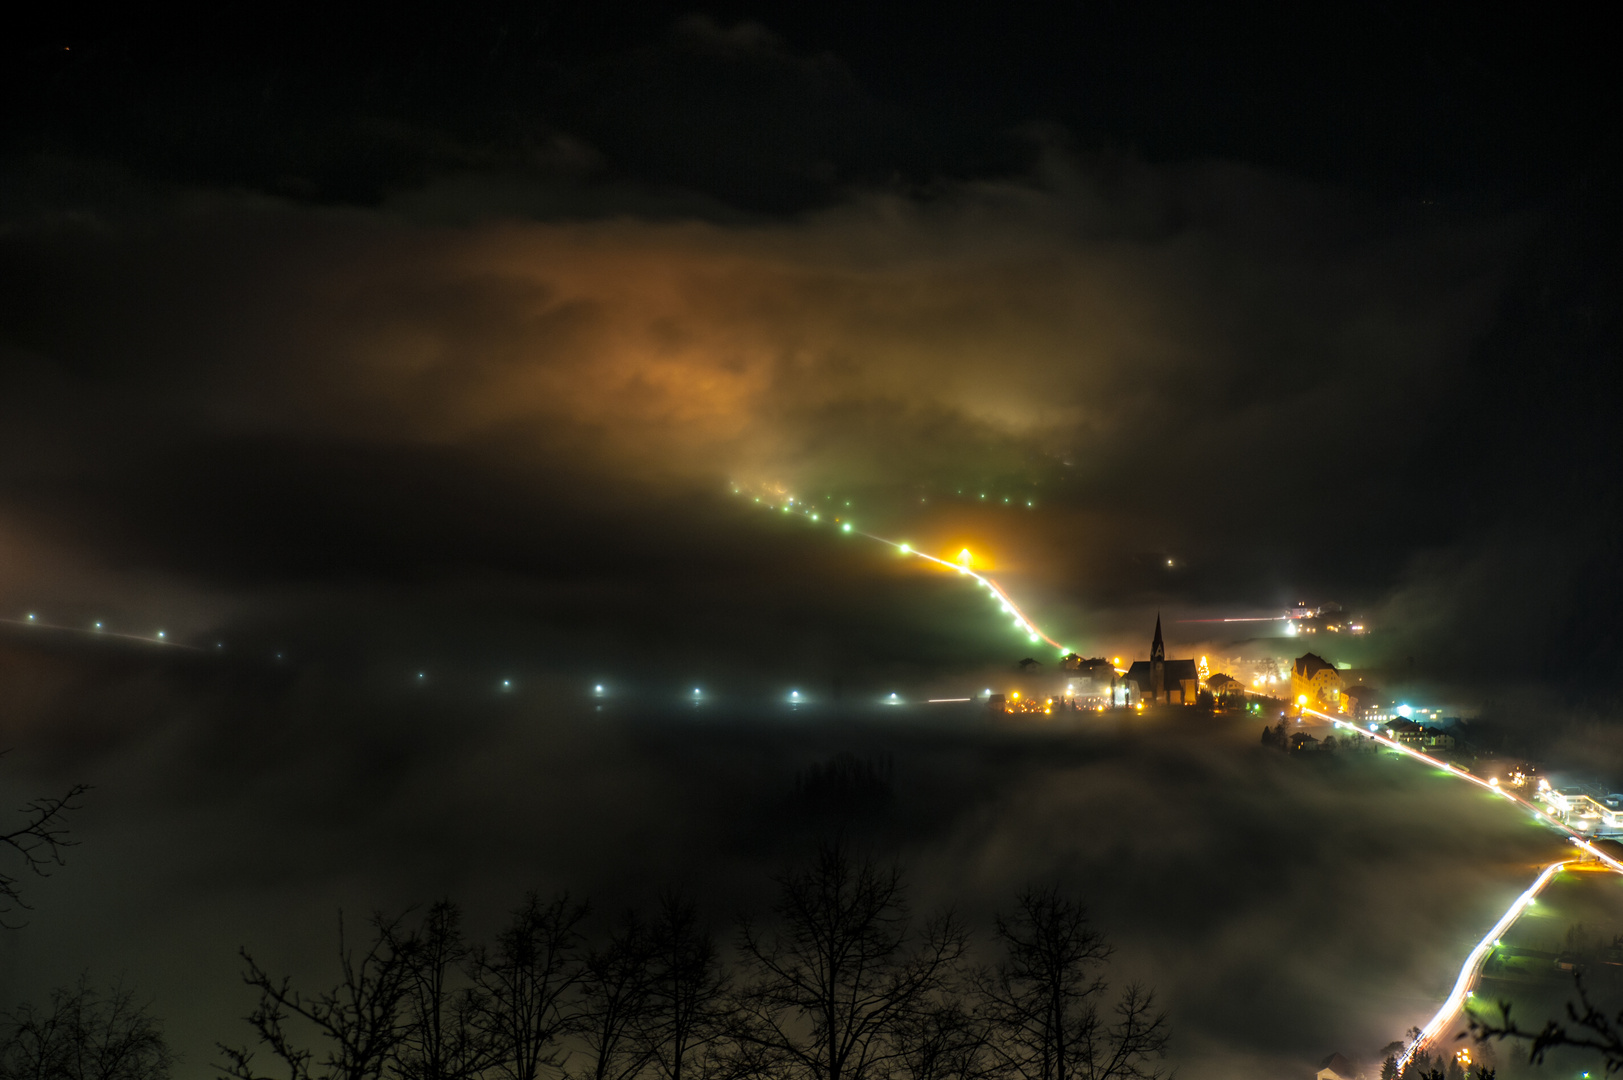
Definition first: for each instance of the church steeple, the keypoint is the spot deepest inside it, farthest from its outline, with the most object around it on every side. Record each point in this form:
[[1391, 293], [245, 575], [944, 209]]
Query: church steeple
[[1158, 651]]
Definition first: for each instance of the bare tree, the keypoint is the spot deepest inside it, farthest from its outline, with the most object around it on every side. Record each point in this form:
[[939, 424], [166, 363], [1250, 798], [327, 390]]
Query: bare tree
[[613, 1017], [84, 1035], [1042, 999], [1586, 1028], [942, 1042], [441, 1038], [686, 990], [359, 1020], [39, 842], [841, 969], [526, 983]]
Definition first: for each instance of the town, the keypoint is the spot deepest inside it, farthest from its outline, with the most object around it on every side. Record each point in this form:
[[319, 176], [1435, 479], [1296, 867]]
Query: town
[[1296, 705]]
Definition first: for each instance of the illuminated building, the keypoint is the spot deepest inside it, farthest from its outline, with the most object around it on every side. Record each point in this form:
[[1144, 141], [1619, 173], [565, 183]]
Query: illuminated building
[[1316, 678], [1161, 681], [1406, 732], [1583, 812], [1225, 687], [1366, 704], [1087, 678]]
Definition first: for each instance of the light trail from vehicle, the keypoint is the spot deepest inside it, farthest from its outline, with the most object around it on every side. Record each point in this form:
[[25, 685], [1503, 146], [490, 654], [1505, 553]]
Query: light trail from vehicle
[[1474, 962], [1599, 854], [789, 504], [1252, 618]]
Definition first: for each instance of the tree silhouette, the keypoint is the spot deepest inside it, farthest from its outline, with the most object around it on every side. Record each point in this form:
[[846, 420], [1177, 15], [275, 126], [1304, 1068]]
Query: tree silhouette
[[827, 987], [613, 1017], [39, 842], [359, 1020], [686, 990], [1042, 999], [83, 1035], [943, 1041], [1586, 1028], [526, 983], [441, 1038]]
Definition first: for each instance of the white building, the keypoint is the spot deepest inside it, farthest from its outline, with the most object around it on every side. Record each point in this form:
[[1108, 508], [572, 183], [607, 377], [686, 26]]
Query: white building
[[1581, 811]]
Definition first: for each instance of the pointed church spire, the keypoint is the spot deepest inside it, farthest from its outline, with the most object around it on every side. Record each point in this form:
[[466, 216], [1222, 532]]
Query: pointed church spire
[[1158, 651]]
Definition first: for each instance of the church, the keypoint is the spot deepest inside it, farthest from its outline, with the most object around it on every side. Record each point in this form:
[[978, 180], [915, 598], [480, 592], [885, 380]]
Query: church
[[1159, 681]]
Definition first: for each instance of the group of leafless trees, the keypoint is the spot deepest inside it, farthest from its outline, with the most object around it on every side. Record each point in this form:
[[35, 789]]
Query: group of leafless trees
[[840, 982], [82, 1033]]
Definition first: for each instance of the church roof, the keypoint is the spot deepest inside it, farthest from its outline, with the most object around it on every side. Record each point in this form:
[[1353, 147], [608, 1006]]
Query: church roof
[[1177, 671], [1309, 665]]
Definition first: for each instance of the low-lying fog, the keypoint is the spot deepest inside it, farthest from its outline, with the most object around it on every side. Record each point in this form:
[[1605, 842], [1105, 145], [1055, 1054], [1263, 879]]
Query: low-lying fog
[[1284, 906]]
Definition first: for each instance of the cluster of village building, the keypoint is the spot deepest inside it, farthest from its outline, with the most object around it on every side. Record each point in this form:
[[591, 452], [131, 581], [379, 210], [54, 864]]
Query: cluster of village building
[[1313, 682]]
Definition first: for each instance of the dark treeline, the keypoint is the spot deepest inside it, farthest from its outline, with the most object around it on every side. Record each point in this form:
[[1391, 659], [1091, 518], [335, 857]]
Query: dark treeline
[[840, 980]]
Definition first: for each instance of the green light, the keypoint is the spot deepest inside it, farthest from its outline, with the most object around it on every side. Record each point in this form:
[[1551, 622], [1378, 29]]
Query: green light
[[846, 527], [1033, 637]]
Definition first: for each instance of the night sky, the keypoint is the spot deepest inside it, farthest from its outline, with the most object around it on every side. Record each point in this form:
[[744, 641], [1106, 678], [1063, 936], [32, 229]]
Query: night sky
[[417, 370]]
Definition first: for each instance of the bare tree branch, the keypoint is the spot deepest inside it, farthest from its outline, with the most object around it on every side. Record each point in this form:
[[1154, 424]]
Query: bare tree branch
[[39, 843], [359, 1019], [1587, 1028]]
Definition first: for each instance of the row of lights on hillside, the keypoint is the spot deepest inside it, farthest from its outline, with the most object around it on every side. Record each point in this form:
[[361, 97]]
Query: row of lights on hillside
[[795, 697], [32, 618], [98, 627]]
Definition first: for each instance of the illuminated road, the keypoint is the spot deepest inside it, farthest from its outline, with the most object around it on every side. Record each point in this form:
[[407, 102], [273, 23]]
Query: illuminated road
[[1479, 955], [788, 504]]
